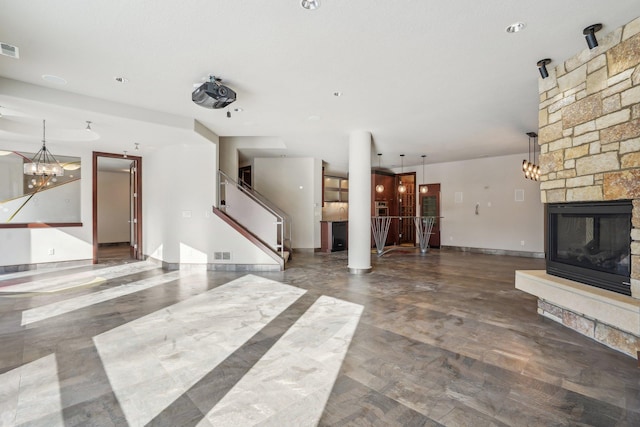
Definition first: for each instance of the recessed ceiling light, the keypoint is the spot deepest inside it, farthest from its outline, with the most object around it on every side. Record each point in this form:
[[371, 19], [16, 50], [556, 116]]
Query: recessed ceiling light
[[310, 4], [54, 79], [121, 79], [337, 93], [515, 27]]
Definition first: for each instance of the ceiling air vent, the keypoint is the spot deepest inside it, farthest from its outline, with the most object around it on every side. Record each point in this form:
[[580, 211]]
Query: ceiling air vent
[[9, 50]]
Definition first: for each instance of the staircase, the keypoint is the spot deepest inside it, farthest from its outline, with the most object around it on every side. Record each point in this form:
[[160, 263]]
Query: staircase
[[255, 217]]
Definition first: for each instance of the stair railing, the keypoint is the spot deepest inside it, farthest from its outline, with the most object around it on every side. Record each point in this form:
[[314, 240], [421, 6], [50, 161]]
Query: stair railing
[[228, 188]]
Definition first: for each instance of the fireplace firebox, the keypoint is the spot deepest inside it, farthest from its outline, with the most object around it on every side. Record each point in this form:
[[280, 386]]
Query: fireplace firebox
[[591, 243]]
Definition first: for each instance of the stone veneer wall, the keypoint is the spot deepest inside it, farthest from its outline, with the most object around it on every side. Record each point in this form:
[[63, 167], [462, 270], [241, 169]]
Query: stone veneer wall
[[589, 134]]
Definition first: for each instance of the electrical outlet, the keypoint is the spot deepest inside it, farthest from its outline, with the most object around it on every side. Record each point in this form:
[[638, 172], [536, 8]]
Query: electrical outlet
[[52, 251], [521, 242]]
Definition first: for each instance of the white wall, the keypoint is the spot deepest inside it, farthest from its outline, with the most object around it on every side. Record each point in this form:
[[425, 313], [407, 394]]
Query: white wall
[[229, 146], [113, 207], [11, 167], [20, 246], [251, 215], [502, 223], [178, 223], [228, 153], [176, 180], [295, 186], [56, 204]]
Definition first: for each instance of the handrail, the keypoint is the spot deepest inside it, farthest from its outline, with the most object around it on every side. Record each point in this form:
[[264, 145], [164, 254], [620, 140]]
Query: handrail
[[283, 221]]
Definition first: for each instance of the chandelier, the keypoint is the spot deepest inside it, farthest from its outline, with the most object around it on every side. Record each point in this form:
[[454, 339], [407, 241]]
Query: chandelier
[[43, 164], [531, 170]]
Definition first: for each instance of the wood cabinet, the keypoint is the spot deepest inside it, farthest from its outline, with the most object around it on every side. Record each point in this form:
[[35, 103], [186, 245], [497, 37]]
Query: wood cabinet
[[430, 206], [336, 189], [388, 195]]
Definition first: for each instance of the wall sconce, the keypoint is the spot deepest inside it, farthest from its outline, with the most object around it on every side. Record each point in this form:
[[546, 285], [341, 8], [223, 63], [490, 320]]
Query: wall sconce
[[402, 188], [379, 187], [590, 35], [531, 170], [542, 67]]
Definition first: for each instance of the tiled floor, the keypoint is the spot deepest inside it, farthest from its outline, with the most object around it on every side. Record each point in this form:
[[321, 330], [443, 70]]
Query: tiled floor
[[442, 339]]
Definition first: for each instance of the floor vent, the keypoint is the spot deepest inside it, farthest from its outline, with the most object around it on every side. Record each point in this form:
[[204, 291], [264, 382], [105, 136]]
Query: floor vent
[[9, 50]]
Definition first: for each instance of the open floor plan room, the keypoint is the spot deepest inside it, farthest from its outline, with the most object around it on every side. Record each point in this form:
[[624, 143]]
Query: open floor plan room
[[441, 339]]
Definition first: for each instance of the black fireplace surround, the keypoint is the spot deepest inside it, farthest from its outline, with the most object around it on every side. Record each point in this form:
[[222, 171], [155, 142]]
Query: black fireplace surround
[[591, 243]]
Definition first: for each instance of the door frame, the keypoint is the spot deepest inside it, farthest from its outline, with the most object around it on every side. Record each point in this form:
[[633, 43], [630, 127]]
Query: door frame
[[137, 197], [433, 190]]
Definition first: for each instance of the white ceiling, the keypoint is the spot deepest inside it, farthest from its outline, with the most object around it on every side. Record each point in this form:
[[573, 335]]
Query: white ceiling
[[440, 78]]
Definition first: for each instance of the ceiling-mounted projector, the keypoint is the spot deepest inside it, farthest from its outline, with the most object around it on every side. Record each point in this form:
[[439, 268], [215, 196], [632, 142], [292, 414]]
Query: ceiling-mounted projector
[[213, 94]]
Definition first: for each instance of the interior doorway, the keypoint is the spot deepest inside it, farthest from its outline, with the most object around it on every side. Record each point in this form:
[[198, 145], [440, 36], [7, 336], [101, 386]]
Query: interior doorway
[[117, 207], [244, 175], [430, 206]]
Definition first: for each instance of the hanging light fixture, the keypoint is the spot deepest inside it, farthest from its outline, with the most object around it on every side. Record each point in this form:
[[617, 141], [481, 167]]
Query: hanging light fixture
[[43, 164], [402, 188], [423, 188], [530, 169], [379, 187]]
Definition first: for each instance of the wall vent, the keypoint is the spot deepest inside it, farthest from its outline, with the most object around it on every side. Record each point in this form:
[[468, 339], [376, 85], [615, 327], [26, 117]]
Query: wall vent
[[222, 256], [9, 50]]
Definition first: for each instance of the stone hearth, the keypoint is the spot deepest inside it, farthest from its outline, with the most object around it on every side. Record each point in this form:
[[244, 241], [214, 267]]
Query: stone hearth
[[607, 317]]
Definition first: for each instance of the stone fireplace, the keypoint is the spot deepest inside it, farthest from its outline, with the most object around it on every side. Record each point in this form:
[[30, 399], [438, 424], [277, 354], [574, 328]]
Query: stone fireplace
[[589, 138]]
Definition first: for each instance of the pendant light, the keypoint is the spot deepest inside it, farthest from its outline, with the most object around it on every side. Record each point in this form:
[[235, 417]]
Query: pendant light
[[379, 187], [530, 169], [402, 188], [423, 188]]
